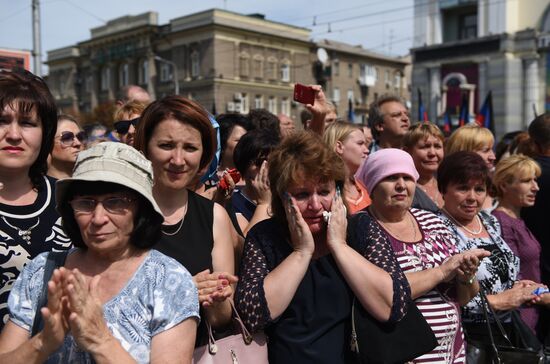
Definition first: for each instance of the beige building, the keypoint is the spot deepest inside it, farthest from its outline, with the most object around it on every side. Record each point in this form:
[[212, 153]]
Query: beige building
[[228, 62], [471, 47]]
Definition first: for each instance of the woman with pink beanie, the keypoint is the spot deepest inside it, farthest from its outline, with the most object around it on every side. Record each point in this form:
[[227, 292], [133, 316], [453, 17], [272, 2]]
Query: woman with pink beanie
[[441, 278]]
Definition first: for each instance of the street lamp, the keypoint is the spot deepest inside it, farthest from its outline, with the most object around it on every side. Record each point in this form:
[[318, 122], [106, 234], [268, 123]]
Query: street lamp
[[175, 68]]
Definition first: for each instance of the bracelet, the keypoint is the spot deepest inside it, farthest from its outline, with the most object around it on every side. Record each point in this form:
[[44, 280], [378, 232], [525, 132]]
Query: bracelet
[[469, 282]]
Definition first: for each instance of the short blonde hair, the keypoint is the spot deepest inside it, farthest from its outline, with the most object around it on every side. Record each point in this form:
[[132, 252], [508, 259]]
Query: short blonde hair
[[421, 131], [469, 138], [129, 108], [516, 166], [338, 131]]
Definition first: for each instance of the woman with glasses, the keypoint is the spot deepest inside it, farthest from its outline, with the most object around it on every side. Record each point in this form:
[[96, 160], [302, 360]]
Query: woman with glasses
[[114, 298], [69, 141], [126, 119], [29, 223]]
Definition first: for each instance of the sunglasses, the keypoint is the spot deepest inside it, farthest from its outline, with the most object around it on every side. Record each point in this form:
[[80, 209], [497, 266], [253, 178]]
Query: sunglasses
[[67, 138], [123, 126], [114, 205]]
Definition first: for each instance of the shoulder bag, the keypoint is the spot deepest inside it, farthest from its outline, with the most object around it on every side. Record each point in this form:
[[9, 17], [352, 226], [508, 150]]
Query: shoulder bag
[[382, 342], [241, 348], [491, 352], [53, 260]]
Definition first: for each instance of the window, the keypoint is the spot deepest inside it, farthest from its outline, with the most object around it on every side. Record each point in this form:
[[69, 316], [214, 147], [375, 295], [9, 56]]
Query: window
[[143, 76], [61, 85], [272, 105], [336, 67], [241, 103], [350, 95], [467, 26], [272, 68], [123, 75], [285, 72], [376, 74], [105, 78], [88, 82], [195, 64], [336, 95], [285, 106], [387, 77], [244, 64], [397, 80], [258, 102], [165, 72], [258, 66], [350, 69]]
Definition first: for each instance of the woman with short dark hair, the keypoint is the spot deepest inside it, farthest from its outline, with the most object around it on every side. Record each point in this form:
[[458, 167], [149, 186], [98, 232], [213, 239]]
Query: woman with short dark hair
[[29, 224], [70, 140], [463, 180]]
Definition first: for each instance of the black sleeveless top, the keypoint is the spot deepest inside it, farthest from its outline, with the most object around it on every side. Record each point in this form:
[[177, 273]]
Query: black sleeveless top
[[192, 244]]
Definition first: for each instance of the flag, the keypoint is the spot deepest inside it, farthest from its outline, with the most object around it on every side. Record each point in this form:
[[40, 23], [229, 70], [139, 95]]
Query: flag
[[351, 114], [463, 116], [485, 116], [422, 114], [447, 126]]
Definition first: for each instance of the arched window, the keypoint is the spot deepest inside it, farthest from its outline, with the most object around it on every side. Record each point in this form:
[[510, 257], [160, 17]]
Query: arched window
[[123, 75], [105, 78], [143, 77]]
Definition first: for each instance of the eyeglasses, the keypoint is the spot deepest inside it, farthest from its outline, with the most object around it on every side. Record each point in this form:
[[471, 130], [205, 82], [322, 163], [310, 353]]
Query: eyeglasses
[[67, 138], [114, 205], [123, 126]]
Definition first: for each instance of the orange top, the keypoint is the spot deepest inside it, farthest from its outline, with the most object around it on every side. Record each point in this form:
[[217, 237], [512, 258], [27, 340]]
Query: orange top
[[362, 202]]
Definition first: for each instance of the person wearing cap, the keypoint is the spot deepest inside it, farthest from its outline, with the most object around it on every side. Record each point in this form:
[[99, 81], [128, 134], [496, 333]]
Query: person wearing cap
[[441, 278], [115, 299]]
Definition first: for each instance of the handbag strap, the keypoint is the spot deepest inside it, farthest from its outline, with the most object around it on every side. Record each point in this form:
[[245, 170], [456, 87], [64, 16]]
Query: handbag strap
[[53, 260], [247, 336]]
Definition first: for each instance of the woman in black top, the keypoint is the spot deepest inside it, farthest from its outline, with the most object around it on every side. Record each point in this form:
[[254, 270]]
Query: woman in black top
[[29, 224], [298, 273], [176, 135]]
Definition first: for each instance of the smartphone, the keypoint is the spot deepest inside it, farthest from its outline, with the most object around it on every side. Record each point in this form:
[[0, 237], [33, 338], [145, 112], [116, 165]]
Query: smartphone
[[235, 175], [304, 94]]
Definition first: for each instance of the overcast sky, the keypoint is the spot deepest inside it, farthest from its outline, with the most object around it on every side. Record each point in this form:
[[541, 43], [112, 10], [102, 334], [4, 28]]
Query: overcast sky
[[382, 26]]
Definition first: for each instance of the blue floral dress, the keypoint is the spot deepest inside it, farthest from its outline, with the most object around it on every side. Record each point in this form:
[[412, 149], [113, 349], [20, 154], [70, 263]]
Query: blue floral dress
[[159, 296]]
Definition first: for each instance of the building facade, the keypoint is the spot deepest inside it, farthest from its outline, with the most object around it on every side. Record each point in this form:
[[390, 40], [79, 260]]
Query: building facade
[[471, 47], [228, 62]]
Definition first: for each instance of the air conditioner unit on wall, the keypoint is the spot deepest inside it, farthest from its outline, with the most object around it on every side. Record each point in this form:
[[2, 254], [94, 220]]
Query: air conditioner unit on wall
[[230, 107], [238, 96]]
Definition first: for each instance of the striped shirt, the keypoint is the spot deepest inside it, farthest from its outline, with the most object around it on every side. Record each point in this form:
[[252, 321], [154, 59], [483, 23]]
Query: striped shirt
[[439, 306]]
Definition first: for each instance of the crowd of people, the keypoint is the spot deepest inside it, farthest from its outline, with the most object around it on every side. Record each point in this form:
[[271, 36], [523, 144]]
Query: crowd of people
[[132, 245]]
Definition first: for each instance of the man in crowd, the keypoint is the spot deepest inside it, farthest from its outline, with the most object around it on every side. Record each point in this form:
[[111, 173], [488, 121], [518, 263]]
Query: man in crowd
[[286, 125], [389, 121], [132, 93]]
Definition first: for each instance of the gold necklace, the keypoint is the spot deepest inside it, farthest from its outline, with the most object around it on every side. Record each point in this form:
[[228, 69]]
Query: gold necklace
[[464, 227]]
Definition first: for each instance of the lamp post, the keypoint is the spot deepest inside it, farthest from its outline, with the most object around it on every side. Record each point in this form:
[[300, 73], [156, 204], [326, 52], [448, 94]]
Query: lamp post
[[175, 68]]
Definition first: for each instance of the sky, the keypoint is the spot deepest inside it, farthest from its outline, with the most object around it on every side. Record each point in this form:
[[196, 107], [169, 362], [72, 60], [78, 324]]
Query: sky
[[379, 25]]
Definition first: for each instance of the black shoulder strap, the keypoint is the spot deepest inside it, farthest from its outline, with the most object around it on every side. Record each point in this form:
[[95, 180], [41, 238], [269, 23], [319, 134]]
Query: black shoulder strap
[[53, 260]]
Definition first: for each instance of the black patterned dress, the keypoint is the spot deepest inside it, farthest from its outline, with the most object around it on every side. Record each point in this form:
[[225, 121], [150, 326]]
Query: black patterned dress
[[46, 234]]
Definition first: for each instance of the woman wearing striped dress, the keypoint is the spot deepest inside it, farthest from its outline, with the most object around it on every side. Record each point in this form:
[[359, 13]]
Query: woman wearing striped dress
[[441, 278]]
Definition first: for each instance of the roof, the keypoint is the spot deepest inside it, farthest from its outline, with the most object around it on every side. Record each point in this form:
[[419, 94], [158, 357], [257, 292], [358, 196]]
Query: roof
[[357, 50]]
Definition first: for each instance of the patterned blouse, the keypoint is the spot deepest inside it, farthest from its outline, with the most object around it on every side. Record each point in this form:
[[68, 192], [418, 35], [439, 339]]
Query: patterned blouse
[[496, 273], [159, 296], [439, 305], [268, 244]]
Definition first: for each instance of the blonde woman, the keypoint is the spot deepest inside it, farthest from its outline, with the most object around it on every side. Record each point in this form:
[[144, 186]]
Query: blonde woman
[[348, 141], [473, 138], [424, 142], [515, 181]]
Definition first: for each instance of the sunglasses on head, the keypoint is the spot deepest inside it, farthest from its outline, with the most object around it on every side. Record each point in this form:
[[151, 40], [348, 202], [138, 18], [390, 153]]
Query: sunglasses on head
[[67, 137], [123, 126]]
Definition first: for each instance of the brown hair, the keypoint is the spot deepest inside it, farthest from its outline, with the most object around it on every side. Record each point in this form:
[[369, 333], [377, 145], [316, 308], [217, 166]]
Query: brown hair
[[462, 167], [185, 111], [516, 166], [375, 113], [421, 131], [302, 155], [26, 92]]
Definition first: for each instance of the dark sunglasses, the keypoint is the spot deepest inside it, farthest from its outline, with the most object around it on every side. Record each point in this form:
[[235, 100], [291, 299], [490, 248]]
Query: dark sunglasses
[[123, 126], [67, 137]]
